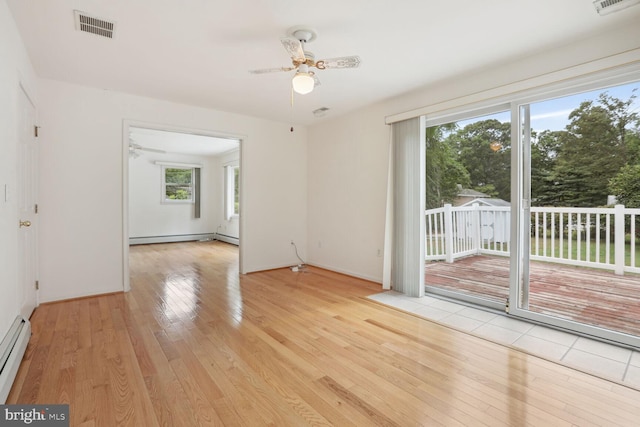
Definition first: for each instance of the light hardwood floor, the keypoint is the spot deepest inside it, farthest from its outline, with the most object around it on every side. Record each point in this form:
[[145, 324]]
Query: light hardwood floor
[[193, 344]]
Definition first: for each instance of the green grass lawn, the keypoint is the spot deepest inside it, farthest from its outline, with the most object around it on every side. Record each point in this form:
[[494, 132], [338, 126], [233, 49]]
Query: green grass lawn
[[593, 256]]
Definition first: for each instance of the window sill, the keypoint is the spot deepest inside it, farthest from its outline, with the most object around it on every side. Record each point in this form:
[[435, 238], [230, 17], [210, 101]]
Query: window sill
[[177, 202]]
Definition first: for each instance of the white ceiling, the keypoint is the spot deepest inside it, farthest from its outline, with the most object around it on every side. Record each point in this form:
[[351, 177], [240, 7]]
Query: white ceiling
[[199, 52], [183, 143]]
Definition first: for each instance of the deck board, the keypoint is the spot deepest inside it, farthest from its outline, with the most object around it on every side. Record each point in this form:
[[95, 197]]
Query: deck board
[[584, 295]]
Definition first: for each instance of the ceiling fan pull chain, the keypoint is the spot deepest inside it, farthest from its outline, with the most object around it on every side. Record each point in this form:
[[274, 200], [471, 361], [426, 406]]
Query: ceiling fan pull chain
[[291, 109]]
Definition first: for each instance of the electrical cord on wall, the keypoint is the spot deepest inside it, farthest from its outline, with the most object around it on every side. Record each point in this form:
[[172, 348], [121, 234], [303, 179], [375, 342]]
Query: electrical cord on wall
[[302, 264]]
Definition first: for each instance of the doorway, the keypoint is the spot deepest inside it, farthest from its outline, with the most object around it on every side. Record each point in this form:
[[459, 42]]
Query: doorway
[[176, 187]]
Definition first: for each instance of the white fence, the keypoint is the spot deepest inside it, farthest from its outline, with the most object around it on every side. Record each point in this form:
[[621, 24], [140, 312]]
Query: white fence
[[590, 237]]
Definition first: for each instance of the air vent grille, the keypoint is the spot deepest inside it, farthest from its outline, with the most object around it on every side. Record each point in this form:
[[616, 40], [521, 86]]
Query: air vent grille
[[604, 7], [93, 25], [320, 112]]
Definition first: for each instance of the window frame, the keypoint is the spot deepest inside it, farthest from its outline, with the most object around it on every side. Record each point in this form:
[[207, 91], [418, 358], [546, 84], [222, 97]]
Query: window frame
[[231, 191], [163, 194]]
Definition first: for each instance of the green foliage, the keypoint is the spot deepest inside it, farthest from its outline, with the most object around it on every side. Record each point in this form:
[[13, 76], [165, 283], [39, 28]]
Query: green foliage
[[178, 183], [626, 186], [544, 152], [597, 154], [174, 193], [591, 151], [178, 176], [444, 171], [487, 168]]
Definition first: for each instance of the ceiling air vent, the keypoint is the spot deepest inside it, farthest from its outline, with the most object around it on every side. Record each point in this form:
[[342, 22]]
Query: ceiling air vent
[[605, 7], [320, 112], [93, 25]]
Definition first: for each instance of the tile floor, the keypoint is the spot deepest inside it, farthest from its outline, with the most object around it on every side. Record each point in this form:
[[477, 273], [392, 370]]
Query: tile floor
[[605, 360]]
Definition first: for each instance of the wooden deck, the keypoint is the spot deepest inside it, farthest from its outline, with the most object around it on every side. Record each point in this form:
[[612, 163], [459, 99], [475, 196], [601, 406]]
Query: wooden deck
[[589, 296]]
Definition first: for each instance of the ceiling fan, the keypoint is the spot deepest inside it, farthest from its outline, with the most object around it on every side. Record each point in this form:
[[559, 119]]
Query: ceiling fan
[[305, 79], [134, 149]]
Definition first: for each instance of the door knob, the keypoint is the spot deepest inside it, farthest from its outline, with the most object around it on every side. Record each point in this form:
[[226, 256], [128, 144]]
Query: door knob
[[25, 223]]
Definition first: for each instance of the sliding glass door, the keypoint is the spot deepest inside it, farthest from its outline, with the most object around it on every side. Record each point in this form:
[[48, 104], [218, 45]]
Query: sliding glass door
[[576, 213], [533, 207]]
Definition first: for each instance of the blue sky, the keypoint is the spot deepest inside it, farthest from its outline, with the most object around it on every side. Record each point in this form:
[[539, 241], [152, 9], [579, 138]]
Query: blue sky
[[554, 113]]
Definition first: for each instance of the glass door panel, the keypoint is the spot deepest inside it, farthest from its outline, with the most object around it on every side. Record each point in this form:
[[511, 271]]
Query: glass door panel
[[468, 192], [579, 224]]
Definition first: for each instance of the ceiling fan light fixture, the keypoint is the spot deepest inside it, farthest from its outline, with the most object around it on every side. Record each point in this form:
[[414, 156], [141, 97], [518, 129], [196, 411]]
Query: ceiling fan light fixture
[[303, 82]]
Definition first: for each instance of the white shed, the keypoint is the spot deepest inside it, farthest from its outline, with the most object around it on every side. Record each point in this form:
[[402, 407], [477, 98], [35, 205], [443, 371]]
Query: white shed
[[494, 225]]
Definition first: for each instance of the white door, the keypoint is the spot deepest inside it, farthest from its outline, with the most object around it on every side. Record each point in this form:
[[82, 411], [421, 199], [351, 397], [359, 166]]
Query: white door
[[27, 190]]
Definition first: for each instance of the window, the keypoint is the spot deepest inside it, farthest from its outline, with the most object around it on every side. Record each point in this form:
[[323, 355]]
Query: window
[[177, 184], [232, 191]]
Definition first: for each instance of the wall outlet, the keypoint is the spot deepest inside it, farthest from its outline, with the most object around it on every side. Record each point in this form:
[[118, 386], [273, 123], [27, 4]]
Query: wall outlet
[[379, 253]]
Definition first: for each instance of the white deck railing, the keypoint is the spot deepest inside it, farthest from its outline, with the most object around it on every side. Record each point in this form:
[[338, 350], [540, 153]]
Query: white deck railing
[[588, 237]]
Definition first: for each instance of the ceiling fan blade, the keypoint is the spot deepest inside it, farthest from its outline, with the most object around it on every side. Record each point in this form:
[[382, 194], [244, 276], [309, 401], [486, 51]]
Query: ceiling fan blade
[[271, 70], [294, 47], [133, 147], [340, 62]]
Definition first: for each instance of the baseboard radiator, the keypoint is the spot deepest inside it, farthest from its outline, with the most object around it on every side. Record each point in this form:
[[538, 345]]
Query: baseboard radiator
[[170, 239], [12, 349], [183, 238]]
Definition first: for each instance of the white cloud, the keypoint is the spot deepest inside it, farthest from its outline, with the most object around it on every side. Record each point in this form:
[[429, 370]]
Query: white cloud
[[560, 113]]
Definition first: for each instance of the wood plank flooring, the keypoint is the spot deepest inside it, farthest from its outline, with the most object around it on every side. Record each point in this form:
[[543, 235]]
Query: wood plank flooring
[[585, 295], [195, 344]]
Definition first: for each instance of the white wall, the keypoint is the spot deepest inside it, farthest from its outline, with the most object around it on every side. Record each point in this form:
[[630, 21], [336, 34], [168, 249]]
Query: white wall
[[15, 69], [347, 193], [348, 175], [81, 157], [150, 217]]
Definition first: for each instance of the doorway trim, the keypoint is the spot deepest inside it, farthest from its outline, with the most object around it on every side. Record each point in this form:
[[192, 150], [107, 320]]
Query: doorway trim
[[126, 125]]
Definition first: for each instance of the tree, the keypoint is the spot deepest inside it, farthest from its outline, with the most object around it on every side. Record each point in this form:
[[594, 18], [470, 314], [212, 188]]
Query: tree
[[625, 185], [544, 152], [592, 151], [444, 171], [489, 170]]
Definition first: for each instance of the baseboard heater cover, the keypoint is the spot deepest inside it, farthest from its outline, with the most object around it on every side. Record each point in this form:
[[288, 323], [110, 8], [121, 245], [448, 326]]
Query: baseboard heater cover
[[169, 239], [183, 238], [12, 349], [227, 239]]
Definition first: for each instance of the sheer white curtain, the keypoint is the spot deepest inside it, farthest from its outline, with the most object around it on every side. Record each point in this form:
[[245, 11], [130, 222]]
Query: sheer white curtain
[[404, 246]]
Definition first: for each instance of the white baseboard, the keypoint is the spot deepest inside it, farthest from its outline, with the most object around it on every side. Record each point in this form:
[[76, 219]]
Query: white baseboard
[[347, 272]]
